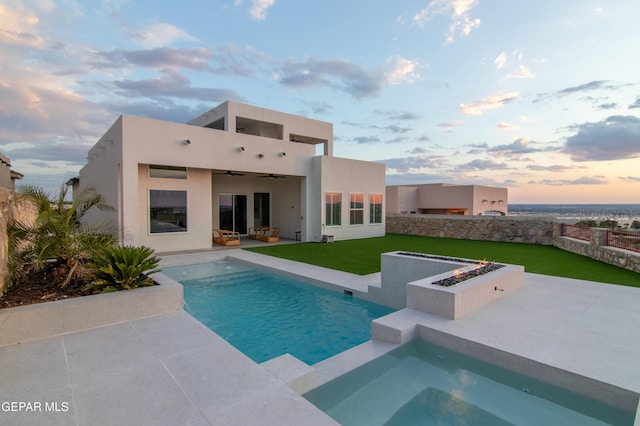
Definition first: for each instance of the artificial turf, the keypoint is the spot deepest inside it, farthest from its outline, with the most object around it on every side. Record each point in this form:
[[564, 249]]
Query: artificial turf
[[362, 256]]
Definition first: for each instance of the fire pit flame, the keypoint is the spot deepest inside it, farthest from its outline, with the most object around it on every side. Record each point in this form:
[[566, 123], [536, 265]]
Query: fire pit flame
[[462, 274]]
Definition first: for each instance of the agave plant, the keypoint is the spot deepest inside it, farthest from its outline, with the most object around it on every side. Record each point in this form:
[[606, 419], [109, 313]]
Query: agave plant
[[123, 268], [57, 237]]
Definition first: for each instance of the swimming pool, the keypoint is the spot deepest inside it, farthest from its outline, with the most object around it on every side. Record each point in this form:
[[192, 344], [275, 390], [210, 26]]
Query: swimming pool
[[423, 384], [266, 315]]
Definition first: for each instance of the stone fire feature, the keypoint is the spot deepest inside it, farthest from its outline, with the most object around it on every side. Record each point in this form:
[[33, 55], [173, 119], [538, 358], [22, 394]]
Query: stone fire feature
[[412, 276]]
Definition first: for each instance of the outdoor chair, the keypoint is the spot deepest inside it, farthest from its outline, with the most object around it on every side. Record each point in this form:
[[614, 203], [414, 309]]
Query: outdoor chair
[[226, 238], [257, 233], [272, 235]]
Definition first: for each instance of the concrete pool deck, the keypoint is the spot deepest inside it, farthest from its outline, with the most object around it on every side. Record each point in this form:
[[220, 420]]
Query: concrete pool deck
[[170, 369]]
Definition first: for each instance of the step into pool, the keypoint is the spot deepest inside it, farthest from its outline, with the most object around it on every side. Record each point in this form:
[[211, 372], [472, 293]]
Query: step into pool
[[424, 384], [266, 315]]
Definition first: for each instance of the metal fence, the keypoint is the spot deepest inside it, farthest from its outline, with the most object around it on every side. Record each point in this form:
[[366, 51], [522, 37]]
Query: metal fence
[[577, 232], [624, 240]]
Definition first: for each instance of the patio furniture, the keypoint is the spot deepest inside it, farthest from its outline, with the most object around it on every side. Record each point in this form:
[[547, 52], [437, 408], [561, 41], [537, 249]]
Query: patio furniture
[[271, 235], [257, 233], [226, 238]]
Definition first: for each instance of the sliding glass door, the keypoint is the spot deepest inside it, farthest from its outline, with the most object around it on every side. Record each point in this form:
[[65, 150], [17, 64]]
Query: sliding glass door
[[261, 209], [233, 212]]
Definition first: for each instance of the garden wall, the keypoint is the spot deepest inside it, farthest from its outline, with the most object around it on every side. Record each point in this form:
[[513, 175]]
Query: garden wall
[[11, 207], [596, 248], [513, 229]]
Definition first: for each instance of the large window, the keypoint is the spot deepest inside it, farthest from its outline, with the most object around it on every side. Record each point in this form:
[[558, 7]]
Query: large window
[[375, 208], [167, 211], [167, 172], [333, 202], [356, 209]]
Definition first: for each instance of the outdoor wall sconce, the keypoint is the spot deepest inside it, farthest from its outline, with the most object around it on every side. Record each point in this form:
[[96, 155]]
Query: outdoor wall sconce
[[282, 154], [186, 142], [240, 148], [260, 155]]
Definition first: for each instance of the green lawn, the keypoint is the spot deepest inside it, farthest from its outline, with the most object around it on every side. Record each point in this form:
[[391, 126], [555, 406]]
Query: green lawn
[[363, 256]]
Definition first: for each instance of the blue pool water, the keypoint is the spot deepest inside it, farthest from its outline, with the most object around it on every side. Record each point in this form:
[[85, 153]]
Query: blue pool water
[[423, 384], [266, 315]]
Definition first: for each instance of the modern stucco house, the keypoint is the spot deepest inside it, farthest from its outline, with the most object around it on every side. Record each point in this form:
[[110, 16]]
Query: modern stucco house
[[442, 198], [8, 176], [234, 167]]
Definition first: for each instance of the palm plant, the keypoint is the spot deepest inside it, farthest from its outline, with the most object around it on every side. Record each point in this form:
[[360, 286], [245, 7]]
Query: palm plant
[[122, 268], [57, 237]]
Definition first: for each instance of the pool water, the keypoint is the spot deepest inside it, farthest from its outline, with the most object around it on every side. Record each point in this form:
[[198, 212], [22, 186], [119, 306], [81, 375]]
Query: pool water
[[266, 315], [423, 384]]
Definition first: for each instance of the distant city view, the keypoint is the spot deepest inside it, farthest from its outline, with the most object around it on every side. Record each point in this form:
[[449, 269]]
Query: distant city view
[[623, 213]]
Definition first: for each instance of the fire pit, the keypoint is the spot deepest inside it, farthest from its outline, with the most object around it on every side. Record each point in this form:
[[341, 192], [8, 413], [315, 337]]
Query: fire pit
[[446, 286]]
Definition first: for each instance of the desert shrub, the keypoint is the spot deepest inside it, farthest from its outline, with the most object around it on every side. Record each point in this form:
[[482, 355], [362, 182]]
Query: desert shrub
[[57, 239], [589, 223], [123, 268], [611, 224]]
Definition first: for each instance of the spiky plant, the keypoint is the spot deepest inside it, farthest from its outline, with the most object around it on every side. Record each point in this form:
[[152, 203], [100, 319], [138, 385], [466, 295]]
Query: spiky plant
[[57, 237], [123, 268]]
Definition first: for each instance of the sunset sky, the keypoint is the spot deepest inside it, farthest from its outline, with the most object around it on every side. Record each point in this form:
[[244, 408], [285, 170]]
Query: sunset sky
[[542, 97]]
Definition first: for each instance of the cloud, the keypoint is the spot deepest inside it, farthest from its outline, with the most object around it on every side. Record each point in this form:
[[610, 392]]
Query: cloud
[[172, 85], [366, 139], [19, 26], [397, 115], [225, 60], [451, 124], [417, 150], [345, 76], [259, 9], [585, 180], [424, 138], [318, 107], [396, 129], [414, 164], [72, 153], [521, 72], [507, 126], [500, 60], [339, 74], [482, 165], [630, 178], [615, 138], [158, 58], [519, 146], [490, 102], [608, 105], [458, 11], [553, 168], [160, 35], [402, 70], [592, 85], [636, 104]]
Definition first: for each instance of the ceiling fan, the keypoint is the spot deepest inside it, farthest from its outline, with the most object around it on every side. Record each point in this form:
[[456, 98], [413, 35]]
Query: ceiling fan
[[272, 176], [230, 173]]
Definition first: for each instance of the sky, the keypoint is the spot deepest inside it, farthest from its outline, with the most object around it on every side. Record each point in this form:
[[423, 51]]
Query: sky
[[541, 97]]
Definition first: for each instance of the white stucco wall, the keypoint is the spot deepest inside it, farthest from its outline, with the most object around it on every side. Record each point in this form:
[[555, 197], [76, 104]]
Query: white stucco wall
[[102, 173], [348, 176], [199, 225], [118, 168], [476, 199]]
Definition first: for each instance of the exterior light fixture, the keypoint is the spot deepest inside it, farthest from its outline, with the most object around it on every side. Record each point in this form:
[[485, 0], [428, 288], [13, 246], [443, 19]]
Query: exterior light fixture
[[282, 154], [186, 142], [240, 148], [260, 155]]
